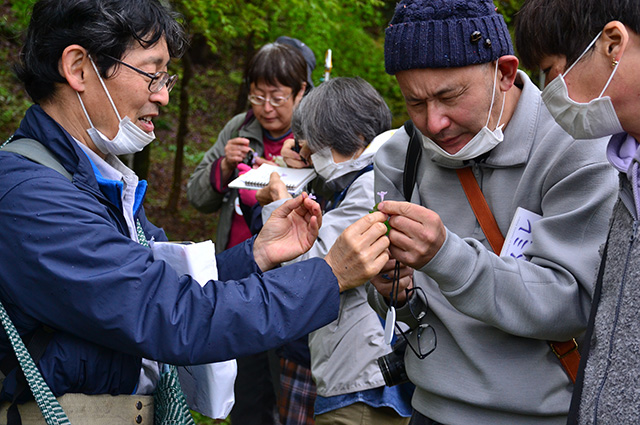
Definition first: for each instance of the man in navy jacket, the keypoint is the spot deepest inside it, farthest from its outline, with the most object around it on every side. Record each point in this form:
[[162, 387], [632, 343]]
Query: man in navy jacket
[[72, 252]]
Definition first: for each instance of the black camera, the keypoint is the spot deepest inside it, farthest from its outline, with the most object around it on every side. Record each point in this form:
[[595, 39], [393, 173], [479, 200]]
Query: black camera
[[392, 364]]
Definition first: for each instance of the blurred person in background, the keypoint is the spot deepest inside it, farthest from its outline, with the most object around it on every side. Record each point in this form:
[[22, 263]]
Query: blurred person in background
[[278, 75]]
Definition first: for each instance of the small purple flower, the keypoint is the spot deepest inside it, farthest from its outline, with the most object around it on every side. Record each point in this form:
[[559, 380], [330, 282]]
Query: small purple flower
[[312, 196], [252, 156], [381, 195]]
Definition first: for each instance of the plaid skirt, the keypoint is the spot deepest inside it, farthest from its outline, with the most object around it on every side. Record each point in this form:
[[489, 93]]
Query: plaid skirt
[[297, 394]]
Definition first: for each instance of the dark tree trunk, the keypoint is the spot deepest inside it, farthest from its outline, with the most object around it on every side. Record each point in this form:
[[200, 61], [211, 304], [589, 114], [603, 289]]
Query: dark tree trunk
[[141, 162], [183, 131], [243, 90]]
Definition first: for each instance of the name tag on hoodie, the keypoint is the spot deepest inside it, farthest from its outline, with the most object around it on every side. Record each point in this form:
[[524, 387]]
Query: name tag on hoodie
[[520, 235]]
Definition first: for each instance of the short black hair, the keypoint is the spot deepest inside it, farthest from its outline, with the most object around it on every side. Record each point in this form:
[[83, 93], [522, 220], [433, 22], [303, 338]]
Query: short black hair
[[103, 27], [566, 27], [277, 63]]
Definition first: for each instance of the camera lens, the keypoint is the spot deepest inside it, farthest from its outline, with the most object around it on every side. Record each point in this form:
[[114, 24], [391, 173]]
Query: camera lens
[[392, 366]]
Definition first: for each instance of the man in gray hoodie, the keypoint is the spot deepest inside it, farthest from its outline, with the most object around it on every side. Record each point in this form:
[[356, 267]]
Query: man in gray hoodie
[[493, 315]]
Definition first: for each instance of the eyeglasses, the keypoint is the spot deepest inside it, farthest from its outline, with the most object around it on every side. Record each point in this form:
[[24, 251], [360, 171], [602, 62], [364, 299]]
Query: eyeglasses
[[274, 101], [158, 80], [425, 334], [427, 341]]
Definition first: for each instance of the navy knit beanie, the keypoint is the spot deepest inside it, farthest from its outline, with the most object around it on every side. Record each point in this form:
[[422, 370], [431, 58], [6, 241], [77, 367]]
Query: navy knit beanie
[[444, 34]]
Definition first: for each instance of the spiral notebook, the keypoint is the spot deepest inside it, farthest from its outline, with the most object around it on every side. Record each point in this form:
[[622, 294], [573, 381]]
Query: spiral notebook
[[294, 178]]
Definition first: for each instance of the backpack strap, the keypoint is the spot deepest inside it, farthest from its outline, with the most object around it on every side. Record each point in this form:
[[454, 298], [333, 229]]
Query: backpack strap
[[36, 346], [49, 406], [339, 196], [249, 117], [28, 358], [414, 151], [36, 152]]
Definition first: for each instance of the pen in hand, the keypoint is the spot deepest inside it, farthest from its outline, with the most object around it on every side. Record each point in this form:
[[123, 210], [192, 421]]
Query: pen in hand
[[296, 148]]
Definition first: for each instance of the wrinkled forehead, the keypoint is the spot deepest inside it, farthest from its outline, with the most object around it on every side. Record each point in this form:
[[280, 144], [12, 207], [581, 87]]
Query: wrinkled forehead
[[431, 82]]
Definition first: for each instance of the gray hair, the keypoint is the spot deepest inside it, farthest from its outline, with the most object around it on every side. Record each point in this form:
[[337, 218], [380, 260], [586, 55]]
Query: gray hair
[[342, 113]]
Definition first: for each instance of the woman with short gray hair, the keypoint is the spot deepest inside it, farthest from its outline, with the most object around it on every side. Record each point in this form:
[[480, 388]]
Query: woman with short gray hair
[[337, 127], [345, 116]]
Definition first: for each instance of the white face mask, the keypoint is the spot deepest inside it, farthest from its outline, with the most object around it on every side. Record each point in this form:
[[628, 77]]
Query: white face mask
[[482, 142], [582, 120], [130, 137], [330, 170]]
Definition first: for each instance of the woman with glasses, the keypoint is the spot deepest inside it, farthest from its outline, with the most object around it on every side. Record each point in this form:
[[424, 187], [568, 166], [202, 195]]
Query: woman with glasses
[[277, 77]]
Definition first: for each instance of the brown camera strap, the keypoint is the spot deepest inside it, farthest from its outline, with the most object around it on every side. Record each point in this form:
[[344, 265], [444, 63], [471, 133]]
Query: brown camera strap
[[481, 209], [566, 351]]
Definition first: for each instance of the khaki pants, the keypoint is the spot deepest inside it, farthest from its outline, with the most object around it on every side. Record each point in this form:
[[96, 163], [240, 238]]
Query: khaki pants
[[361, 414], [91, 410]]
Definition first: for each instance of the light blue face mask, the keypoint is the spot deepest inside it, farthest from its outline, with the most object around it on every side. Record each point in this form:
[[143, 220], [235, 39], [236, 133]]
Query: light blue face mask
[[591, 120]]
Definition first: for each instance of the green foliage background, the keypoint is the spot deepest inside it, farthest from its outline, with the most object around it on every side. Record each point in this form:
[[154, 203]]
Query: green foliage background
[[223, 30]]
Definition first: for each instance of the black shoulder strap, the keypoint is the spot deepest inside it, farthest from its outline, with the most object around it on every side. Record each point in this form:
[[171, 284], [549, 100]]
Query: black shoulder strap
[[36, 344], [412, 160], [339, 196], [36, 152]]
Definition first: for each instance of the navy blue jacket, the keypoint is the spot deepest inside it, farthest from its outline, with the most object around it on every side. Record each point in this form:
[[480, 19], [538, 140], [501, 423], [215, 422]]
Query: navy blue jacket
[[67, 261]]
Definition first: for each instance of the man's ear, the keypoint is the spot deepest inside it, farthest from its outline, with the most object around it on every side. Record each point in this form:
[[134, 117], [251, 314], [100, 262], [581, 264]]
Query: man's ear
[[508, 67], [73, 65], [614, 39]]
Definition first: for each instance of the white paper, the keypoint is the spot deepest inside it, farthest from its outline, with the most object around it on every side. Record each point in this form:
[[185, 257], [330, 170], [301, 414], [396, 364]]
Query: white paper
[[208, 388], [519, 236], [294, 178], [198, 260]]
